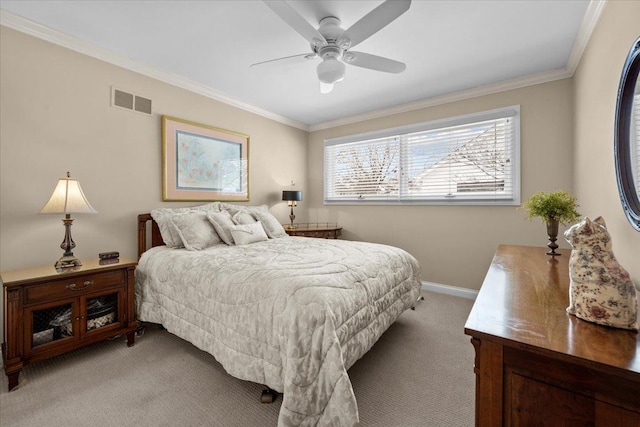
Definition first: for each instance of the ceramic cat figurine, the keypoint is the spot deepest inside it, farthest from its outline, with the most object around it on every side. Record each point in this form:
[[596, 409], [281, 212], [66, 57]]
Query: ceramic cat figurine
[[601, 291]]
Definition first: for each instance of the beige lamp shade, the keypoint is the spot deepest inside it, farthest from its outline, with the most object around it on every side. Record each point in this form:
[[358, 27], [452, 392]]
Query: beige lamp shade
[[67, 198]]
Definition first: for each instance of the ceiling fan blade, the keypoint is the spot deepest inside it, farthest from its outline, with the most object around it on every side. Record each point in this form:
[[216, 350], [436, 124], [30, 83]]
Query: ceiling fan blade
[[373, 22], [374, 62], [293, 59], [297, 22]]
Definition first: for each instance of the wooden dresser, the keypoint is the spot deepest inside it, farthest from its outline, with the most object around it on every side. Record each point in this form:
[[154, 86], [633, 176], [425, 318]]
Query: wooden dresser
[[535, 364]]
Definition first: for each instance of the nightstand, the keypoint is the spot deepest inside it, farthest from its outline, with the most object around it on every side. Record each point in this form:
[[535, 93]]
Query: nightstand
[[312, 230], [49, 313]]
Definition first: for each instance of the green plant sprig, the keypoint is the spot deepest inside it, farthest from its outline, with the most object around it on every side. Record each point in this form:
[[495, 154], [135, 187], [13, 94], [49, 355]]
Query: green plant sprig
[[558, 205]]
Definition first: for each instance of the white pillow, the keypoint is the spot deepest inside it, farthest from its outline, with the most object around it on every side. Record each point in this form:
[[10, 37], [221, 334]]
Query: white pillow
[[271, 225], [248, 233], [162, 216], [195, 230], [242, 217], [222, 223]]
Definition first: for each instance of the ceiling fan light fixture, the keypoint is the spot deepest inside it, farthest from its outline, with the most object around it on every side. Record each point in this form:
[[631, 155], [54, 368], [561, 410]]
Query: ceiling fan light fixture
[[348, 57], [331, 71], [344, 44], [317, 43], [325, 88], [331, 43]]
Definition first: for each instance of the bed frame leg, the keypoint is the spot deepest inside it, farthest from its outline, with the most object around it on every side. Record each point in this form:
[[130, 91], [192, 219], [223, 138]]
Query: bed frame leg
[[268, 395], [420, 298]]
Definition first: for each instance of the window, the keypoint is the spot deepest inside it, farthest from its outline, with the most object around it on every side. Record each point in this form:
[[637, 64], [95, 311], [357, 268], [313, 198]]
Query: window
[[471, 159]]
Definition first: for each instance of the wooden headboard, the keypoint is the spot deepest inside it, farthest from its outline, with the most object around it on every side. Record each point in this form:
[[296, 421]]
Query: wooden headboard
[[156, 237]]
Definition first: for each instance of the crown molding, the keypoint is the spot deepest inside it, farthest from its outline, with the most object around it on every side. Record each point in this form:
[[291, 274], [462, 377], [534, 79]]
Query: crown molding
[[589, 21], [530, 80], [59, 38]]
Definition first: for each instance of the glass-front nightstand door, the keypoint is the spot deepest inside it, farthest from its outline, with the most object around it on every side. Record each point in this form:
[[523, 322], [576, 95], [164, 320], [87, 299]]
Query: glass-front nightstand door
[[50, 324], [102, 312]]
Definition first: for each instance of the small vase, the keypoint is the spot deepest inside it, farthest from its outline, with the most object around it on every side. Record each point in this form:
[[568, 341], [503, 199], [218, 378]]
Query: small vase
[[552, 231]]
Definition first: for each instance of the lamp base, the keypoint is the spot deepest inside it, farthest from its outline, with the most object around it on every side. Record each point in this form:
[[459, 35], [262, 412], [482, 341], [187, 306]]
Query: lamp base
[[67, 262], [292, 217]]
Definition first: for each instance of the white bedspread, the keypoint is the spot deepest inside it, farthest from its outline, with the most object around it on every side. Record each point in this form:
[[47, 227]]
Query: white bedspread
[[292, 313]]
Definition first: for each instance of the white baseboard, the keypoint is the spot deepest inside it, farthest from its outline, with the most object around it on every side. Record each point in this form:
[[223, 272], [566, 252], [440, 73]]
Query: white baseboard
[[450, 290]]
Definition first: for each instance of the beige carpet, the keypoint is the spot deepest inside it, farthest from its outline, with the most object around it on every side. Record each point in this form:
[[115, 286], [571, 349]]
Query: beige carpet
[[420, 373]]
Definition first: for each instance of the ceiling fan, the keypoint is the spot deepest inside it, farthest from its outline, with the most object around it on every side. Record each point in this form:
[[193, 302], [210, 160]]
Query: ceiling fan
[[332, 44]]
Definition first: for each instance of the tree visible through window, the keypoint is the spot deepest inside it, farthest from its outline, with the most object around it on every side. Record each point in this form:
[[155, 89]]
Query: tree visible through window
[[367, 169], [467, 159]]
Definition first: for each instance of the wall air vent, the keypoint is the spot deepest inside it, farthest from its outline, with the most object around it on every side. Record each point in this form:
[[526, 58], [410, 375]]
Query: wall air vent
[[143, 105], [130, 101]]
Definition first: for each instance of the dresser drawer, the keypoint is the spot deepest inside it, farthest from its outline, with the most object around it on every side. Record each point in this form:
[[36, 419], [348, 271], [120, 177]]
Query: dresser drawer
[[72, 286]]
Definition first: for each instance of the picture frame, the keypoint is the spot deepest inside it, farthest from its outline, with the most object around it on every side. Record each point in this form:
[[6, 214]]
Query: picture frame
[[203, 163]]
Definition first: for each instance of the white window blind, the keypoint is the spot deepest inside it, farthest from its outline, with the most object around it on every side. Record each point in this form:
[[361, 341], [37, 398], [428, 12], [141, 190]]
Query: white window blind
[[468, 159]]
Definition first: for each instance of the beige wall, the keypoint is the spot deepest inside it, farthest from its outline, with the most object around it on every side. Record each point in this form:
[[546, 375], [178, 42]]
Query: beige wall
[[595, 89], [455, 244], [55, 116]]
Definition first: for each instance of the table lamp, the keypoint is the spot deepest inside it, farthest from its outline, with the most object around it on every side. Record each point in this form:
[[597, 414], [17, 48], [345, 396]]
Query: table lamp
[[67, 198], [292, 198]]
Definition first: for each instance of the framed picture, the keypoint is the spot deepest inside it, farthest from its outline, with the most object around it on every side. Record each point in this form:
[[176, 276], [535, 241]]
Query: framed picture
[[203, 163]]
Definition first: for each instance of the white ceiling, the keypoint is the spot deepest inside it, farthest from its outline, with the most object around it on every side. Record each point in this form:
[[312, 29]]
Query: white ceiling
[[448, 46]]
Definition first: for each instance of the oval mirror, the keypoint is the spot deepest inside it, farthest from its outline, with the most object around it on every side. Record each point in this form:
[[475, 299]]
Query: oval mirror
[[627, 137]]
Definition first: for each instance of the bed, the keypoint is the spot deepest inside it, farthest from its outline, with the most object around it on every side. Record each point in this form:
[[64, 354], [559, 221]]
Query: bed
[[292, 313]]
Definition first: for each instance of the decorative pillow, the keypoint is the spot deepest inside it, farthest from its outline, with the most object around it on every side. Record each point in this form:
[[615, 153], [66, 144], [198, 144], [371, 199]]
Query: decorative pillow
[[162, 216], [242, 217], [222, 223], [233, 209], [271, 225], [248, 233], [195, 230]]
